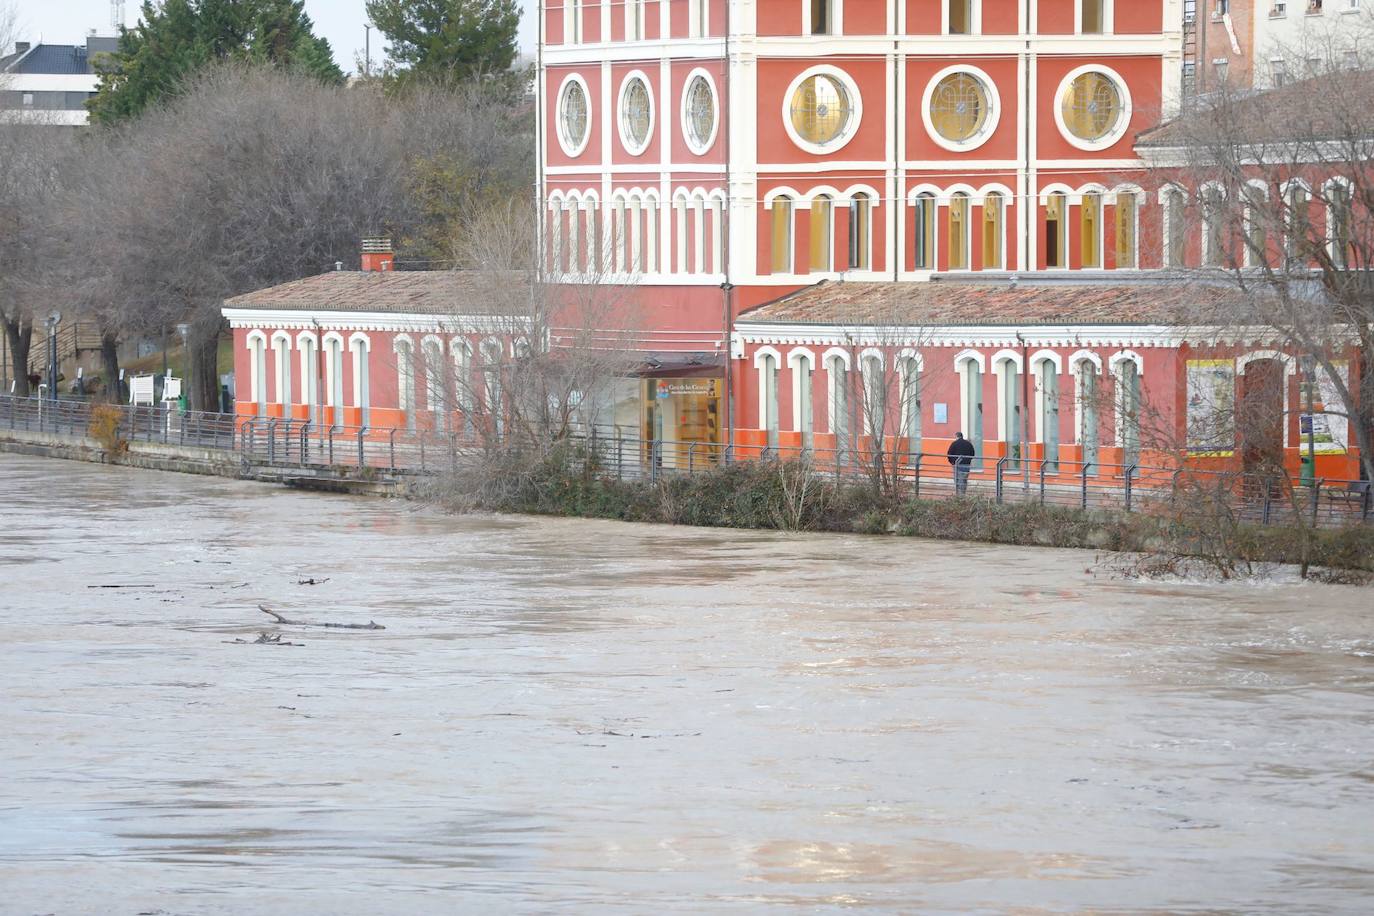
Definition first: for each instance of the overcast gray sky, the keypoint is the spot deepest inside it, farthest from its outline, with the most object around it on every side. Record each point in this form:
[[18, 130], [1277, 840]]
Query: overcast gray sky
[[341, 21]]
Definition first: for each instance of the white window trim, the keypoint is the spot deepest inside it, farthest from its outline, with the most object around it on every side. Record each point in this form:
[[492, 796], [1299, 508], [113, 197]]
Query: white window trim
[[626, 140], [767, 387], [1108, 18], [1038, 359], [1123, 122], [975, 14], [360, 345], [989, 123], [855, 101], [836, 17], [1005, 416], [905, 396], [795, 358], [835, 383], [962, 361], [257, 370], [573, 150], [281, 348], [699, 149]]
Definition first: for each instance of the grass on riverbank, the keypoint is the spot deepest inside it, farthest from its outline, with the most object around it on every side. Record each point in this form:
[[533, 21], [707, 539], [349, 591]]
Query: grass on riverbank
[[790, 496]]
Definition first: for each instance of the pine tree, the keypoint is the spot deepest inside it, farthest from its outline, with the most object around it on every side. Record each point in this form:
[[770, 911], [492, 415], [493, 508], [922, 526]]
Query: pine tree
[[448, 40], [176, 38]]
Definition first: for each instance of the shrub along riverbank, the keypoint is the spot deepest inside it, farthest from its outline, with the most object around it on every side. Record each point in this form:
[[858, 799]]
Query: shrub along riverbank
[[792, 496]]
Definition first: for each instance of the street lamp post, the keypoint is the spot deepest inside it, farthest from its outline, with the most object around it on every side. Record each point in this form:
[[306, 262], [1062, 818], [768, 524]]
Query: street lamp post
[[52, 321]]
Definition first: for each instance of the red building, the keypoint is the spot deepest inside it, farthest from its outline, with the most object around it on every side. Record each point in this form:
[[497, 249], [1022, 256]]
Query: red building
[[969, 165]]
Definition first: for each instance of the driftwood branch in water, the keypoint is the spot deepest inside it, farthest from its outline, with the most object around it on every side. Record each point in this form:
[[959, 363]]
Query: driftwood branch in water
[[370, 625]]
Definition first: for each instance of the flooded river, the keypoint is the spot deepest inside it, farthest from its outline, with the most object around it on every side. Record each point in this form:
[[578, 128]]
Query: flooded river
[[596, 717]]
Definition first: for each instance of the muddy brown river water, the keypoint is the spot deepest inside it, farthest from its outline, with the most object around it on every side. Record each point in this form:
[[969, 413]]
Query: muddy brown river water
[[595, 717]]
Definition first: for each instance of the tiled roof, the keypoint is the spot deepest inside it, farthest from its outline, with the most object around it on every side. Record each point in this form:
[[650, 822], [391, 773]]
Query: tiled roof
[[422, 292], [957, 302], [61, 59], [1331, 106]]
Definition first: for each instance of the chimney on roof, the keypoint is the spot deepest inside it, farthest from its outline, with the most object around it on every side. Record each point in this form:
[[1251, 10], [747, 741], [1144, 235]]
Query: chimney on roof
[[377, 255], [21, 46]]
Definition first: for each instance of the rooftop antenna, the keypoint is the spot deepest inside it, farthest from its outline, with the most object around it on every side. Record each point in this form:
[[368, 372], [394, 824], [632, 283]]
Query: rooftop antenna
[[116, 15]]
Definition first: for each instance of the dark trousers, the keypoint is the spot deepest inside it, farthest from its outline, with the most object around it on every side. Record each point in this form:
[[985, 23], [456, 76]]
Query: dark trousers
[[961, 478]]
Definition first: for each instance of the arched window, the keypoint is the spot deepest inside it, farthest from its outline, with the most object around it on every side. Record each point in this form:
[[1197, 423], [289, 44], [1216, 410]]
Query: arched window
[[1092, 17], [766, 361], [634, 20], [310, 375], [361, 348], [333, 374], [1055, 228], [860, 231], [1256, 238], [697, 11], [572, 20], [823, 17], [1090, 228], [1338, 224], [969, 365], [1010, 404], [1214, 231], [555, 237], [404, 349], [281, 352], [803, 364], [717, 235], [1298, 223], [463, 398], [782, 235], [436, 392], [492, 396], [909, 382], [923, 236], [1128, 410], [620, 232], [959, 15], [992, 231], [1086, 411], [822, 245], [837, 372], [1175, 228], [650, 235], [1047, 409], [257, 368], [871, 372], [572, 252], [1127, 221], [958, 232], [699, 231]]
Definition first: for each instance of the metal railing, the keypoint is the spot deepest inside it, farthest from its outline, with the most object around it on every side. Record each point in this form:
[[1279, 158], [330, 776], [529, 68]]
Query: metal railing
[[609, 451]]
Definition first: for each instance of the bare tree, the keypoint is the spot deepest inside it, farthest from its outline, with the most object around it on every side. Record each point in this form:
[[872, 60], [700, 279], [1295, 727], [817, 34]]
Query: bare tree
[[1281, 188], [33, 162]]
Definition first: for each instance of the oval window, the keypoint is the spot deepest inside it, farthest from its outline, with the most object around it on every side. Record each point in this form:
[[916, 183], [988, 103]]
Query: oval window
[[699, 113], [821, 110], [1091, 107], [636, 115], [573, 117], [959, 107]]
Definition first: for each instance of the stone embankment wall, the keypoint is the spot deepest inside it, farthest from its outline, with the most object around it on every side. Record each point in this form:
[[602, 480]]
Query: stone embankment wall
[[189, 459]]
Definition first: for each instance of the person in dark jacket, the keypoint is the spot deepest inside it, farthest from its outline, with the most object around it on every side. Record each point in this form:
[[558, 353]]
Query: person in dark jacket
[[960, 455]]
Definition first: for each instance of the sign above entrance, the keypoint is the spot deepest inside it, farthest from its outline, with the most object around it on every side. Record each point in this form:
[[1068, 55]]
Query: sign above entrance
[[703, 386]]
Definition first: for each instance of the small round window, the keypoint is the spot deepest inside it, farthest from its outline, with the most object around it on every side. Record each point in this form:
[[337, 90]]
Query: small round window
[[636, 114], [699, 113], [1092, 108], [821, 110], [573, 117], [959, 107]]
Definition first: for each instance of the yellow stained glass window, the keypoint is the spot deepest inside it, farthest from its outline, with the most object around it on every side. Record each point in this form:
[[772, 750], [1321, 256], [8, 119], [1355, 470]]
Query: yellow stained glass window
[[782, 236], [992, 232], [958, 232], [1092, 106], [959, 107], [1090, 219], [821, 109], [1125, 230], [820, 234], [1054, 231]]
